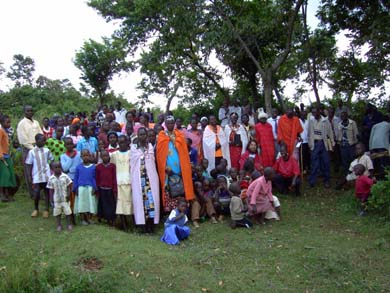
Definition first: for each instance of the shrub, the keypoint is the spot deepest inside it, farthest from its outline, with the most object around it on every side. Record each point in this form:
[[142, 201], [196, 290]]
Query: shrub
[[379, 201]]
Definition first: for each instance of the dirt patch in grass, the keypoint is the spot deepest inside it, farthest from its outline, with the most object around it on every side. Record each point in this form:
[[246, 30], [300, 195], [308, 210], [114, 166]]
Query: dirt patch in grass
[[90, 264]]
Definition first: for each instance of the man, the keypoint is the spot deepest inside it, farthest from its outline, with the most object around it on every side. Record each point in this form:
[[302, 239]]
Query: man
[[334, 123], [321, 141], [274, 121], [26, 130], [289, 130], [224, 113], [347, 138], [120, 113], [380, 145], [101, 116], [305, 143], [287, 173]]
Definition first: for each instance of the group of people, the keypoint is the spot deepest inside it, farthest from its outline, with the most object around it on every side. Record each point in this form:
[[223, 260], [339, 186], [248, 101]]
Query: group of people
[[122, 164]]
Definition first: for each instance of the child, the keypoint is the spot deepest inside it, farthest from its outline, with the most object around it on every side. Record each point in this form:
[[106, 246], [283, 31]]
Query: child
[[362, 187], [192, 152], [205, 165], [152, 138], [61, 184], [260, 195], [37, 161], [88, 142], [55, 144], [175, 229], [221, 198], [202, 205], [233, 175], [7, 176], [85, 187], [121, 158], [46, 128], [237, 210], [107, 188], [112, 142]]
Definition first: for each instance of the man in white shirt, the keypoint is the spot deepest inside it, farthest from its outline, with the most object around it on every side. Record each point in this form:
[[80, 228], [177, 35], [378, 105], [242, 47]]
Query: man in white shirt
[[274, 121], [120, 113], [26, 131], [235, 108]]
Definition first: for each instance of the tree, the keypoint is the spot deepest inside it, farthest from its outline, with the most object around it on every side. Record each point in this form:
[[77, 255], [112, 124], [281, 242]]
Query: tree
[[21, 71], [98, 63]]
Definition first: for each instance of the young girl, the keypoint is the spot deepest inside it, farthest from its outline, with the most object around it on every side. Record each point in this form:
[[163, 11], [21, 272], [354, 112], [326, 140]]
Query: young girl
[[61, 184], [144, 183], [260, 195], [85, 187], [363, 186], [7, 176], [46, 128], [175, 229], [252, 152], [112, 142], [121, 158], [106, 188]]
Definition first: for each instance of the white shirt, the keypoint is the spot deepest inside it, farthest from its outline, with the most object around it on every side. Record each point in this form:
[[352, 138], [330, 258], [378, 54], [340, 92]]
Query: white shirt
[[274, 123], [120, 116], [305, 126], [27, 129], [39, 158], [60, 185]]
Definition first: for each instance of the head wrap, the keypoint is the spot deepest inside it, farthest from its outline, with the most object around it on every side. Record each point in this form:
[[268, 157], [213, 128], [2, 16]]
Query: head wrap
[[170, 118], [204, 118], [75, 120], [262, 114]]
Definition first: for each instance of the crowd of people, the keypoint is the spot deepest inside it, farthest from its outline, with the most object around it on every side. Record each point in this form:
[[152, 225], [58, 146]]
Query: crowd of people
[[124, 165]]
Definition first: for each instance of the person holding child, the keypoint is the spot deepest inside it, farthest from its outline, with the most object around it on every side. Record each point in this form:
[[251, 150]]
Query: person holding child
[[175, 228], [61, 184]]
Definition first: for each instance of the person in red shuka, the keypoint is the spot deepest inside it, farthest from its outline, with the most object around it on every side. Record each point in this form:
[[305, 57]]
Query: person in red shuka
[[363, 186], [287, 173]]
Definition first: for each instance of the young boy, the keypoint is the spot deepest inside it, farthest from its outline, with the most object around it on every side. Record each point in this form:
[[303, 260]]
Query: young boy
[[192, 152], [61, 184], [237, 210], [55, 144], [363, 186], [38, 160]]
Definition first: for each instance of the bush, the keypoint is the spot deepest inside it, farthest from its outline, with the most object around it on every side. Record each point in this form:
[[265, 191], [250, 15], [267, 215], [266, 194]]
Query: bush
[[379, 201]]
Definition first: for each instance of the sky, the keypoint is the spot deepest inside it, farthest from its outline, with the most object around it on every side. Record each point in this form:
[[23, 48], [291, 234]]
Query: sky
[[51, 31]]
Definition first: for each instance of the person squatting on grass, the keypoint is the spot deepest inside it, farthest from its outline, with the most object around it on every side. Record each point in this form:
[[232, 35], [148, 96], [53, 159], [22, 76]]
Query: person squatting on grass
[[61, 184], [175, 228], [363, 186]]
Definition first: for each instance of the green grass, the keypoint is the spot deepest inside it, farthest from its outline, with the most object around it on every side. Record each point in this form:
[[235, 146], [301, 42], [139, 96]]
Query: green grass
[[320, 245]]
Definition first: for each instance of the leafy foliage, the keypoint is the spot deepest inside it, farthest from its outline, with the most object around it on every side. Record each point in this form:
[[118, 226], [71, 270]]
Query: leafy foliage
[[21, 71], [379, 201]]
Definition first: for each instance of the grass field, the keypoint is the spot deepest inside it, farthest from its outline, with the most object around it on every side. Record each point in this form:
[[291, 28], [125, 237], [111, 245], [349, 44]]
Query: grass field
[[321, 245]]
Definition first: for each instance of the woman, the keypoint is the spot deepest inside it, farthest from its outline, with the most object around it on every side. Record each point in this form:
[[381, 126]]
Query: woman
[[173, 165], [252, 152], [215, 144], [129, 122], [196, 136], [238, 140], [144, 182]]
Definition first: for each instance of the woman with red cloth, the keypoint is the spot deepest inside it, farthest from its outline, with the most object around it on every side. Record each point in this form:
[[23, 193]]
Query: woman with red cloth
[[252, 152], [289, 129], [238, 140], [265, 139]]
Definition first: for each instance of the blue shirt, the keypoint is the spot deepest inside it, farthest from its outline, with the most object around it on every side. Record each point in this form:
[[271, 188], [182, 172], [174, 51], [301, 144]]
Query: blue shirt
[[91, 144], [85, 176]]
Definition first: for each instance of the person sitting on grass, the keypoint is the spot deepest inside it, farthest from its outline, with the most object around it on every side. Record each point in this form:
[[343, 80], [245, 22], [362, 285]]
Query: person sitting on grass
[[287, 173], [363, 186], [221, 198], [61, 184], [175, 228], [361, 158], [37, 161], [202, 205], [260, 196], [237, 210]]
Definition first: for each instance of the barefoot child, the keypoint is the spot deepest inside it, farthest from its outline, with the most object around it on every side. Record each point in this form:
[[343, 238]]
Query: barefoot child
[[7, 176], [38, 160], [221, 198], [84, 186], [237, 210], [106, 188], [363, 186], [175, 229], [61, 184]]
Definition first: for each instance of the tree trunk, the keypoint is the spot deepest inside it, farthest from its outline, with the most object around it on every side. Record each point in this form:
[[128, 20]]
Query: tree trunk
[[314, 81], [280, 98], [267, 84]]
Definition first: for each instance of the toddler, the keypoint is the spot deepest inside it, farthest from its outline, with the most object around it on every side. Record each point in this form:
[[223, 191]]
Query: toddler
[[237, 209], [363, 186], [175, 229]]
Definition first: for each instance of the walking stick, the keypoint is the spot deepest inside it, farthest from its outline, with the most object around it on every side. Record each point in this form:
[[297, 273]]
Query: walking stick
[[301, 161]]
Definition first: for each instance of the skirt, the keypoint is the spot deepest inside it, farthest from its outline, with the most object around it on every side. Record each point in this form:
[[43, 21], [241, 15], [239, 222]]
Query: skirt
[[106, 204], [85, 202], [173, 234], [124, 204], [7, 175]]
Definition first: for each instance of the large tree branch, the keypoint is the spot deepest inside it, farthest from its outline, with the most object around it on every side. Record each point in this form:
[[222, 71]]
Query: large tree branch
[[290, 28]]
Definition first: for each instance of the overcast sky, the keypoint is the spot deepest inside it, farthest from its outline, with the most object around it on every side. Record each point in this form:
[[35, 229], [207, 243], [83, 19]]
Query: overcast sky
[[51, 31]]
